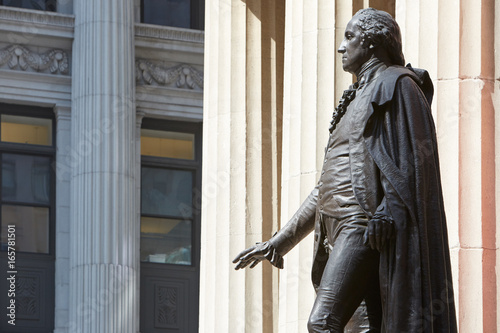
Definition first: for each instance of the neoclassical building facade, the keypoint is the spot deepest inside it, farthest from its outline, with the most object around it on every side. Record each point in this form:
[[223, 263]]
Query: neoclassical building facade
[[144, 143], [101, 114]]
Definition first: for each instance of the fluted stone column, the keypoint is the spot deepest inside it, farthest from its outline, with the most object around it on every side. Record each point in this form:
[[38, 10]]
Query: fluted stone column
[[307, 108], [455, 42], [103, 258], [241, 168]]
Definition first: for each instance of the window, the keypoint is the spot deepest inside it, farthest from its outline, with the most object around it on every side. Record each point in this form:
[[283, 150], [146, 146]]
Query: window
[[48, 5], [26, 155], [168, 177], [170, 225], [27, 209], [174, 13]]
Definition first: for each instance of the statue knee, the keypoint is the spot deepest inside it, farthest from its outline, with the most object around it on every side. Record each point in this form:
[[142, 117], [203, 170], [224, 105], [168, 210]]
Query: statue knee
[[314, 325], [317, 324]]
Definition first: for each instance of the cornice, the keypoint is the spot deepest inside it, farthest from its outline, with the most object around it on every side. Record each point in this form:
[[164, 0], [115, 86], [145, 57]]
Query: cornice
[[169, 33], [63, 113], [36, 17]]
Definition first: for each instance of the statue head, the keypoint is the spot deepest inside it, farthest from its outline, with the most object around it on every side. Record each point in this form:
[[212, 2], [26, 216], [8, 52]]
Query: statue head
[[371, 33], [378, 28]]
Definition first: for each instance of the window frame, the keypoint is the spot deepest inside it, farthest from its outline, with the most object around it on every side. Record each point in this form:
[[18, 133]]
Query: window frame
[[193, 166], [196, 15], [33, 150]]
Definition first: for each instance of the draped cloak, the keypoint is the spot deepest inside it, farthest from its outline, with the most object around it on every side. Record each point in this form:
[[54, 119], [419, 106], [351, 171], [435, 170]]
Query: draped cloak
[[403, 179], [415, 273]]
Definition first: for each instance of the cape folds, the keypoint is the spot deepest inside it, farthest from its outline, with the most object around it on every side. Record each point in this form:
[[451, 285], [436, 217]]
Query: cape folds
[[415, 272]]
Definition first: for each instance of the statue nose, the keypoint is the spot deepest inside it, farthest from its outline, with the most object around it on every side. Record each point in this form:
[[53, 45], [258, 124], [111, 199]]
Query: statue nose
[[341, 48]]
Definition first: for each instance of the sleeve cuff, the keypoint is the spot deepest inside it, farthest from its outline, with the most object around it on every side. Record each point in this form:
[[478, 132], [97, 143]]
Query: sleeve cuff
[[273, 256]]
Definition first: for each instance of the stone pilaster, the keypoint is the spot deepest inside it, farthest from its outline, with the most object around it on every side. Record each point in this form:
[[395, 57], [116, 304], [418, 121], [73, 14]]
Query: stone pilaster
[[310, 57], [477, 220], [103, 235], [63, 176], [241, 172]]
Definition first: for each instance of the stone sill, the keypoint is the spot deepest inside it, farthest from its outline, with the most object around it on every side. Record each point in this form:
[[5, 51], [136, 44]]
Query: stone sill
[[34, 27], [37, 17]]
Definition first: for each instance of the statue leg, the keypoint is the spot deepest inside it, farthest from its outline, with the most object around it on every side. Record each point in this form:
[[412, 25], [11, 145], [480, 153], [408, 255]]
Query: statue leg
[[350, 275], [368, 316]]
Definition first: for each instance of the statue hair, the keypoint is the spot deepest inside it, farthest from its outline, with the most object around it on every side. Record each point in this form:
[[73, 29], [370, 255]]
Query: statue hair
[[380, 29]]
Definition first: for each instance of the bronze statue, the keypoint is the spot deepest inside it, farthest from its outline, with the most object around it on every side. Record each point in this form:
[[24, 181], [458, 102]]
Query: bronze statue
[[377, 211]]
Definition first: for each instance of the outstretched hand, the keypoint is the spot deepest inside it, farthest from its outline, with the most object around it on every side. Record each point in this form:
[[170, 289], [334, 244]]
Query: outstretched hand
[[378, 233], [253, 255]]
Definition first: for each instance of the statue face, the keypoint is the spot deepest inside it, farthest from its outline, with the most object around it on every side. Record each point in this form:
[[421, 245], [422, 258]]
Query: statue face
[[354, 53]]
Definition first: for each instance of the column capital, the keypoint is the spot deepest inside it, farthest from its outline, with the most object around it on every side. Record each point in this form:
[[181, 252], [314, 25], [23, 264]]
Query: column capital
[[139, 115], [62, 112]]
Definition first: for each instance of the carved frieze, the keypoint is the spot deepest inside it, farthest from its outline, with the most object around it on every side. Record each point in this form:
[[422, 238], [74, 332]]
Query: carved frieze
[[18, 57], [180, 76]]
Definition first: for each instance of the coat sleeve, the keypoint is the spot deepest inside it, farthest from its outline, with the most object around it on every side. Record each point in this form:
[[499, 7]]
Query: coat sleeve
[[299, 226]]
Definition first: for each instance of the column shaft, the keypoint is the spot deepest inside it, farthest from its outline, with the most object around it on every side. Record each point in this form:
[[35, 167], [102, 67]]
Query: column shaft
[[242, 126], [310, 60], [103, 259], [477, 222]]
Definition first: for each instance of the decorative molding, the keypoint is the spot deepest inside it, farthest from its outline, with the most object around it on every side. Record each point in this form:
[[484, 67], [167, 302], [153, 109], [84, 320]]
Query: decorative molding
[[180, 76], [166, 315], [36, 17], [139, 115], [19, 57], [27, 298], [63, 113], [170, 33]]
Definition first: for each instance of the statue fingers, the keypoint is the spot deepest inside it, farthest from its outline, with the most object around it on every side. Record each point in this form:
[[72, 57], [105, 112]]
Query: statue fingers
[[392, 230], [385, 233], [243, 264], [379, 230], [243, 254], [255, 253], [366, 241], [255, 262]]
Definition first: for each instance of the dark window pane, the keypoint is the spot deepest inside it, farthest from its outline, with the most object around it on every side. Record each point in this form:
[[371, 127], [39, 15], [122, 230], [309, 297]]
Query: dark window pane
[[173, 13], [166, 192], [25, 179], [31, 228], [165, 241], [49, 5]]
